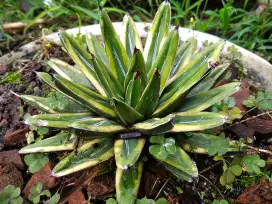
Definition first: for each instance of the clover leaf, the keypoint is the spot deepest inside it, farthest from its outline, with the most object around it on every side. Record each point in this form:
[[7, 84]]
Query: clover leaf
[[111, 201], [157, 139], [11, 195], [250, 102], [219, 146], [54, 199], [262, 101], [229, 172], [220, 202], [253, 163], [36, 162], [36, 193], [151, 201]]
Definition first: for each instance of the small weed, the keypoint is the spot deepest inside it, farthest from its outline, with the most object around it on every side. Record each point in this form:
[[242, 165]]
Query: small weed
[[36, 162], [11, 195]]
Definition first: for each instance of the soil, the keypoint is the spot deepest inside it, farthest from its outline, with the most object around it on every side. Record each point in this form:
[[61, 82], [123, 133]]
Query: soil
[[44, 177], [10, 175], [257, 193]]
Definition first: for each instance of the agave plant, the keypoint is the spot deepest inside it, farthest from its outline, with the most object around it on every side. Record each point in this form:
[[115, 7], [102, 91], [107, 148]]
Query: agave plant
[[122, 96]]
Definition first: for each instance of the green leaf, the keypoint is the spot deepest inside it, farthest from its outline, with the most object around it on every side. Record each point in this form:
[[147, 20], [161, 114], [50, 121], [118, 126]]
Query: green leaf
[[155, 126], [134, 91], [36, 162], [115, 51], [200, 143], [127, 114], [96, 49], [130, 37], [250, 102], [111, 201], [88, 12], [157, 34], [111, 86], [41, 15], [98, 126], [145, 201], [219, 146], [91, 101], [42, 130], [206, 99], [150, 97], [61, 120], [82, 88], [11, 195], [128, 183], [54, 199], [127, 151], [234, 113], [195, 121], [253, 163], [236, 170], [36, 193], [178, 173], [172, 97], [137, 64], [178, 158], [165, 58], [183, 56], [82, 60], [88, 155], [11, 77], [264, 100], [57, 103], [157, 139], [195, 61], [30, 137], [161, 201], [69, 72], [227, 178], [209, 81], [60, 142], [220, 202]]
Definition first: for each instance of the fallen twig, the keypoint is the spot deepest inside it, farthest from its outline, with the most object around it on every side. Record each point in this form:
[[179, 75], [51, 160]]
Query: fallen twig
[[251, 118], [9, 27], [258, 149], [212, 185], [210, 167], [162, 188]]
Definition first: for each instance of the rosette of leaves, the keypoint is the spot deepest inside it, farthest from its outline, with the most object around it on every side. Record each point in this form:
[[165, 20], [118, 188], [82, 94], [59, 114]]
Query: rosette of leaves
[[121, 93]]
